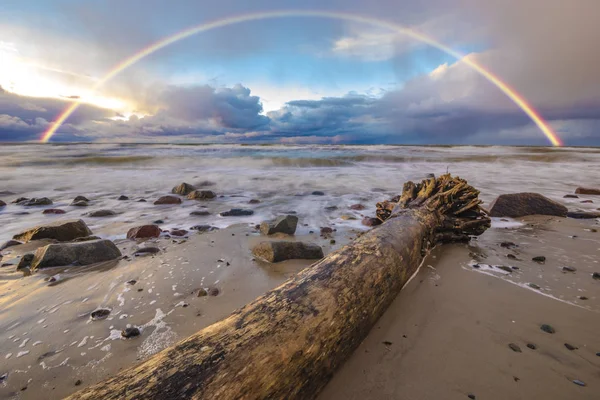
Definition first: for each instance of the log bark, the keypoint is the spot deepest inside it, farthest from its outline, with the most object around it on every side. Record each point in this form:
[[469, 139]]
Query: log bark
[[288, 343]]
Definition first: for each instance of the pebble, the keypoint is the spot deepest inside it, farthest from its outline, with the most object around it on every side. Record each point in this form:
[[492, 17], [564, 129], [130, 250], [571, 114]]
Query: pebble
[[158, 221], [539, 259], [596, 275], [508, 245], [78, 382], [202, 293], [547, 328], [100, 314], [514, 347], [569, 269], [213, 292], [132, 282], [570, 347], [511, 256], [533, 286], [318, 193], [582, 298], [122, 197], [531, 346], [578, 382], [506, 269], [130, 332], [471, 396]]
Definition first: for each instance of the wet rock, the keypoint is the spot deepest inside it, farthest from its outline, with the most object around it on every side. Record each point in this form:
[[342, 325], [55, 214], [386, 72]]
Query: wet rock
[[547, 328], [84, 253], [569, 269], [158, 221], [168, 200], [132, 282], [183, 189], [206, 183], [514, 347], [85, 239], [202, 293], [596, 275], [2, 204], [326, 231], [236, 212], [570, 196], [10, 243], [347, 217], [81, 198], [101, 213], [318, 193], [531, 346], [283, 224], [331, 208], [587, 202], [511, 256], [201, 195], [582, 298], [79, 203], [583, 214], [40, 201], [25, 261], [100, 314], [213, 291], [144, 232], [570, 347], [281, 250], [128, 333], [203, 228], [534, 286], [508, 245], [142, 201], [539, 259], [78, 382], [200, 213], [368, 221], [505, 268], [578, 382], [122, 198], [521, 204], [146, 250], [590, 191], [178, 232], [332, 241], [54, 211], [254, 201], [471, 396], [358, 207], [62, 231]]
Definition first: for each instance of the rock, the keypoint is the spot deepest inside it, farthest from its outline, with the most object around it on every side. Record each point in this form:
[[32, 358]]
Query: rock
[[128, 333], [132, 282], [254, 201], [10, 243], [25, 261], [569, 269], [358, 207], [203, 228], [547, 328], [326, 230], [213, 291], [202, 293], [539, 259], [508, 245], [347, 217], [81, 198], [318, 193], [142, 201], [505, 268], [99, 314], [183, 189], [578, 382], [368, 221], [596, 275], [122, 198], [78, 382], [158, 221], [146, 250], [79, 203], [53, 211], [85, 239], [582, 298], [283, 224], [511, 256], [583, 214], [581, 190], [531, 346], [201, 195], [471, 396], [280, 251], [201, 213], [101, 213], [2, 204], [40, 201], [84, 253], [236, 212], [587, 202], [178, 232], [570, 347], [331, 208], [168, 200], [144, 232], [514, 347], [570, 196], [62, 231], [534, 286], [332, 241], [521, 204]]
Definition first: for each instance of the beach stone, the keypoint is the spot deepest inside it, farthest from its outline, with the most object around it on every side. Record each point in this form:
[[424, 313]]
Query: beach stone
[[596, 275], [2, 204], [79, 203], [202, 293], [144, 232], [254, 201], [539, 259], [471, 396], [569, 269], [587, 202], [318, 193], [183, 189], [331, 208], [514, 347], [142, 201], [20, 200], [326, 230], [83, 253], [582, 298], [53, 211], [10, 243], [101, 213], [508, 245], [578, 382], [505, 268], [203, 228], [40, 201], [281, 251], [213, 291], [158, 221], [99, 314], [128, 333], [25, 261], [146, 250], [85, 239], [358, 207], [570, 347], [521, 204], [368, 221], [590, 191], [583, 214], [81, 198], [201, 195], [347, 217], [122, 198], [511, 256], [534, 286], [547, 328], [168, 200], [570, 196], [283, 224], [201, 213], [178, 232], [206, 183], [236, 212], [531, 346], [62, 231]]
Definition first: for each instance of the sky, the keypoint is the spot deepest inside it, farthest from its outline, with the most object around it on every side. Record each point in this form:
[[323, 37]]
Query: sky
[[299, 79]]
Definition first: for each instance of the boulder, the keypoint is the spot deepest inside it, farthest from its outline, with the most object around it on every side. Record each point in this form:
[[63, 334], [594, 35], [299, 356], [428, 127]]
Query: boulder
[[79, 203], [236, 212], [101, 213], [81, 198], [282, 224], [281, 251], [583, 214], [201, 213], [62, 231], [25, 261], [144, 232], [40, 201], [183, 189], [168, 200], [516, 205], [201, 195], [581, 190], [53, 211], [2, 204], [84, 253], [10, 243]]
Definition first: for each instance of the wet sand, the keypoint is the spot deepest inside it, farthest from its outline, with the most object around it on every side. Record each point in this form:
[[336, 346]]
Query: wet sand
[[447, 334]]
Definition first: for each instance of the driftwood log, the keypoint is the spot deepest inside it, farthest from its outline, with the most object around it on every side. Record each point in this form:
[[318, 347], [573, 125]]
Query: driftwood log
[[288, 343]]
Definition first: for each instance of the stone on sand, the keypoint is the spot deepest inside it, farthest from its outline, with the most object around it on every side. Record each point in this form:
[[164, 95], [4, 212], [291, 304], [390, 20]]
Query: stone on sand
[[200, 213], [83, 253], [281, 251], [25, 261], [201, 195], [144, 232], [62, 231], [81, 198], [53, 211], [282, 224], [168, 200], [40, 201], [236, 212], [2, 204], [79, 203], [183, 189], [589, 191], [583, 214], [516, 205], [101, 213], [203, 228]]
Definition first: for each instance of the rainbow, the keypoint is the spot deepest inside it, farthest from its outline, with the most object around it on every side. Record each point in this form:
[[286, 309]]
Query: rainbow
[[494, 79]]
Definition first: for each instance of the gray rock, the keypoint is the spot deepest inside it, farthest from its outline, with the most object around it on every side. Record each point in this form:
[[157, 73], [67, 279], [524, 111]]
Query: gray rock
[[569, 269], [570, 347], [41, 201], [281, 251], [578, 382], [25, 261], [534, 286], [10, 243], [79, 203], [201, 195], [539, 259], [200, 213], [101, 213], [183, 189], [2, 204], [547, 328], [81, 198], [282, 224], [122, 198], [514, 347], [236, 212], [206, 183], [63, 231], [589, 191], [84, 253], [146, 250], [318, 193], [596, 275], [521, 204], [100, 314], [130, 332], [570, 196], [531, 346], [168, 200], [583, 214]]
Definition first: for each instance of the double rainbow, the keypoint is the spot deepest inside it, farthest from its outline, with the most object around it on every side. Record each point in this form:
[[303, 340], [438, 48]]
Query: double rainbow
[[494, 79]]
